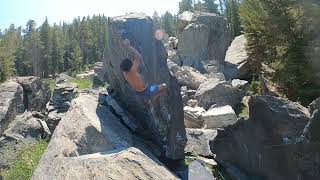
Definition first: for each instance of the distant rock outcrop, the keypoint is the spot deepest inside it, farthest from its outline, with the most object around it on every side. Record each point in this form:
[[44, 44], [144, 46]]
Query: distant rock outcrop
[[91, 142], [164, 121], [206, 36]]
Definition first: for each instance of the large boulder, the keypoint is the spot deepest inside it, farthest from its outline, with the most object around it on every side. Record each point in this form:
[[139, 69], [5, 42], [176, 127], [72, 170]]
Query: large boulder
[[206, 36], [219, 117], [190, 77], [36, 93], [11, 102], [236, 66], [164, 121], [99, 146], [257, 146], [219, 93], [22, 132], [198, 141]]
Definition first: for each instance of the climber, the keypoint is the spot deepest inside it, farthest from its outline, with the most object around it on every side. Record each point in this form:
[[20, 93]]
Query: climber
[[130, 69]]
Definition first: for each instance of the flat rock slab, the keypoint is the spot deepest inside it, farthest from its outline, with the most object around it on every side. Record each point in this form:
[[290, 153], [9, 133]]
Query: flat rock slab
[[219, 117]]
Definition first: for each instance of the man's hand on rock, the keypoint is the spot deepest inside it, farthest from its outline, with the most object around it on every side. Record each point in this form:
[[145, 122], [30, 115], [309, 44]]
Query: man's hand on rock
[[126, 43]]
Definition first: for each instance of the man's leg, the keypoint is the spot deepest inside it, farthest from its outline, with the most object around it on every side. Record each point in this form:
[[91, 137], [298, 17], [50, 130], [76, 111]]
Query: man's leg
[[162, 88]]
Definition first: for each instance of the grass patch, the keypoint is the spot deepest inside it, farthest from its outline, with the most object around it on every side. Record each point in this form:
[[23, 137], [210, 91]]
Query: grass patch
[[27, 162], [83, 83], [51, 83]]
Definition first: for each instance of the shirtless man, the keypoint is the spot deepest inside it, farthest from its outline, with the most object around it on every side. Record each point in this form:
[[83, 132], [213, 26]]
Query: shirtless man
[[130, 69]]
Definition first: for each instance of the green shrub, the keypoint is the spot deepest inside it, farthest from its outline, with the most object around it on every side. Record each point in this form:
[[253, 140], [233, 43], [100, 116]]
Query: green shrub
[[51, 83], [27, 162]]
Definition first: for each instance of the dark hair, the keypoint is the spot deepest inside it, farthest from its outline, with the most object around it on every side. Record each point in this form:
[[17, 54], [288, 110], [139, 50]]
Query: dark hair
[[126, 65]]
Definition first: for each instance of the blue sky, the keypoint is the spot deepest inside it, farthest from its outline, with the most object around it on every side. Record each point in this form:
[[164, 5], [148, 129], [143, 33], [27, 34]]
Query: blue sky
[[20, 11]]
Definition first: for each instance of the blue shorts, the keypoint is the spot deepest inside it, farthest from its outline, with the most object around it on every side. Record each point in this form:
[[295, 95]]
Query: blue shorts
[[149, 92]]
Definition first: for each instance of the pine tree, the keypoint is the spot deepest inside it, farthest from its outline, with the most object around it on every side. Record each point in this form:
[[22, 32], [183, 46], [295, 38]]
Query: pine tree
[[47, 64], [210, 6], [32, 47], [199, 6], [167, 23], [156, 20], [185, 5], [232, 13], [56, 52]]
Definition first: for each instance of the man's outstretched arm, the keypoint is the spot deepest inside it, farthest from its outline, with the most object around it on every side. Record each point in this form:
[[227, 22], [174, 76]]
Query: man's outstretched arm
[[133, 53]]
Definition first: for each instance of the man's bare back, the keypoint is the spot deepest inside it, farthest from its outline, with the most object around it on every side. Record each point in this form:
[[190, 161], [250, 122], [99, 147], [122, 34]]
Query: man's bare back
[[130, 69], [135, 80]]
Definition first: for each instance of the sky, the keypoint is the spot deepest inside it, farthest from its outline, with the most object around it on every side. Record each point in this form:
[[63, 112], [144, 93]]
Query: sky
[[20, 11]]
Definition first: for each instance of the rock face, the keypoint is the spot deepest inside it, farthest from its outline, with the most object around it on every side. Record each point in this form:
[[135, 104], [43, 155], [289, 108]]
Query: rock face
[[188, 76], [165, 120], [311, 132], [60, 103], [11, 104], [257, 145], [99, 146], [36, 94], [236, 59], [198, 141], [218, 93], [219, 117], [205, 37], [22, 132]]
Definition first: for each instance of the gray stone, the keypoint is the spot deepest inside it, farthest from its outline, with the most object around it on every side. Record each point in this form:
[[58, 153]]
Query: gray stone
[[99, 70], [173, 67], [22, 132], [236, 66], [192, 103], [11, 104], [163, 122], [190, 77], [198, 141], [314, 105], [241, 84], [63, 78], [256, 145], [311, 132], [99, 145], [196, 171], [193, 117], [36, 93], [220, 93], [60, 102], [219, 117]]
